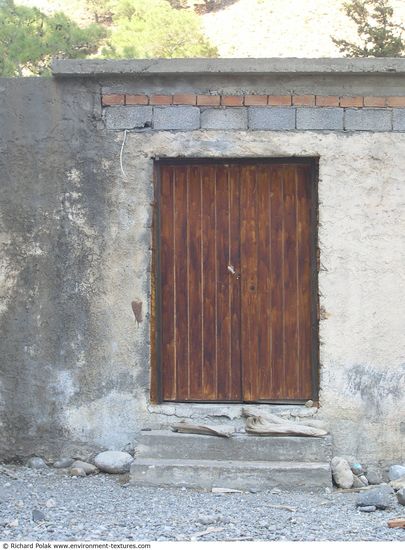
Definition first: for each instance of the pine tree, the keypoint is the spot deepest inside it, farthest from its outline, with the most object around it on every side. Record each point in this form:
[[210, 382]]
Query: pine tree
[[379, 35], [29, 39]]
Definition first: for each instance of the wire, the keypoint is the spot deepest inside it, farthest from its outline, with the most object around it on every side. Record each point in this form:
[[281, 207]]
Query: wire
[[121, 154]]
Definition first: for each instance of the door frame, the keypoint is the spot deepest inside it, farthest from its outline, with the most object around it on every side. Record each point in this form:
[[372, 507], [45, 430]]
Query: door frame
[[155, 393]]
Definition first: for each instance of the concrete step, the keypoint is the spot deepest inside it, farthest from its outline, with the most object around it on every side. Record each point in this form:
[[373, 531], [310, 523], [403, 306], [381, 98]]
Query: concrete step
[[232, 474], [170, 445]]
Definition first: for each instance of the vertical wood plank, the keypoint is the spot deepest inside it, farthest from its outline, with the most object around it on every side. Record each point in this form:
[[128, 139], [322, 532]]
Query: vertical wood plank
[[248, 201], [223, 283], [180, 254], [195, 272], [304, 238], [277, 283], [209, 278], [264, 368], [290, 277], [235, 374], [168, 357]]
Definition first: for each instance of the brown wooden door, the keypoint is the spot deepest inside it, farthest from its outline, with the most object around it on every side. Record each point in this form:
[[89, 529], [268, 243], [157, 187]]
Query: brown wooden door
[[235, 282]]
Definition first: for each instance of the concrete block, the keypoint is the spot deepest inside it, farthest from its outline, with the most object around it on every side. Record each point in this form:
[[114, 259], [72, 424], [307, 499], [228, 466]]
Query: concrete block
[[398, 120], [244, 476], [176, 118], [272, 118], [373, 120], [128, 118], [224, 119], [165, 444], [323, 118]]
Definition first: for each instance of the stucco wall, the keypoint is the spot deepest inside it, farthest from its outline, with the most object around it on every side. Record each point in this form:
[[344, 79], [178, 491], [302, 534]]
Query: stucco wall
[[54, 201], [362, 279], [76, 240]]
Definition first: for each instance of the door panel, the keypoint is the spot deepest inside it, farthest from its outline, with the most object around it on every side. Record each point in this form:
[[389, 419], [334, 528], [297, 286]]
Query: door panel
[[276, 283], [236, 282], [200, 325]]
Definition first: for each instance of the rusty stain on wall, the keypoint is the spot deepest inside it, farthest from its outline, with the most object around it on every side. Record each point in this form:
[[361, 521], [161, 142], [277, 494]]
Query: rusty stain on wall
[[137, 309]]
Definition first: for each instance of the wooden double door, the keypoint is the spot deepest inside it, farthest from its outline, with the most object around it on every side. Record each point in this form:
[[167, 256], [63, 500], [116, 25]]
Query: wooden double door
[[236, 281]]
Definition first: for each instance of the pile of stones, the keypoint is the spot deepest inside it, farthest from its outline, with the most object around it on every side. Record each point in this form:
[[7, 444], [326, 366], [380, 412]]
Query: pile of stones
[[352, 475], [111, 462]]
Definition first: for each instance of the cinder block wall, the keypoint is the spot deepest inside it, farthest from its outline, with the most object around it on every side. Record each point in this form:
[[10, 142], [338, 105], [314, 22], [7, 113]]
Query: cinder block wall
[[76, 210]]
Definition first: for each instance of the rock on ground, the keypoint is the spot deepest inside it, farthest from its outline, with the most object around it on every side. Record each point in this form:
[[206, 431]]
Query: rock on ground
[[341, 472], [86, 466], [358, 482], [77, 472], [398, 483], [374, 476], [364, 480], [357, 469], [63, 463], [113, 462], [37, 463], [37, 515], [396, 471], [50, 503], [401, 496], [380, 497]]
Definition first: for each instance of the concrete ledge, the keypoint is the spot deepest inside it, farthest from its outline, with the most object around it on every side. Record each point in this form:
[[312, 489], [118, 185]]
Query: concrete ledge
[[295, 66]]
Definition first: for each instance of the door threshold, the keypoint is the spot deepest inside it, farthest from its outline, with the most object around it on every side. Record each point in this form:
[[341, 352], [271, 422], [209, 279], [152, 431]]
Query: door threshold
[[240, 403], [231, 410]]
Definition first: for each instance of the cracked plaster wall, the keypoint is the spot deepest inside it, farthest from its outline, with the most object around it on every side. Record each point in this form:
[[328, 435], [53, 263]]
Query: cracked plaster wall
[[76, 238]]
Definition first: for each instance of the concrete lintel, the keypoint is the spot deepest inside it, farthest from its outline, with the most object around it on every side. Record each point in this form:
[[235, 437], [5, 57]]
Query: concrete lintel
[[287, 66]]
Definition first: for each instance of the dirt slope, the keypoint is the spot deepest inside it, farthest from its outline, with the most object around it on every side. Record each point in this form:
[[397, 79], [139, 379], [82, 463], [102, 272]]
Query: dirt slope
[[282, 28], [261, 28]]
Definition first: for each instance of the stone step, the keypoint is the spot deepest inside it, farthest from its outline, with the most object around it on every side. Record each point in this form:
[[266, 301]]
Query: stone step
[[232, 474], [170, 445]]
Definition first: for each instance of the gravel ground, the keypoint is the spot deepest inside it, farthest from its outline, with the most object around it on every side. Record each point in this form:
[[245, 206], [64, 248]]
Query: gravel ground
[[105, 507]]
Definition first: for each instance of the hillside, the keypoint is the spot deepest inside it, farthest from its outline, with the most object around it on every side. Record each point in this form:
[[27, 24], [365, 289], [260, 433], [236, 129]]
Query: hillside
[[261, 28]]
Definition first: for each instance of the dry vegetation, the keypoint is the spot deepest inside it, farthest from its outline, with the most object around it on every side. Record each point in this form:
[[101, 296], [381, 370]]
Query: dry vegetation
[[261, 28]]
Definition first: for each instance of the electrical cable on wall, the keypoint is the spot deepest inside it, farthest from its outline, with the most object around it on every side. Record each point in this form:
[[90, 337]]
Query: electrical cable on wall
[[121, 154]]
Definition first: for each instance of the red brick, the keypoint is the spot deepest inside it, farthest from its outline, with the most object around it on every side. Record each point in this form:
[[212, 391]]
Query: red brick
[[113, 99], [255, 99], [396, 101], [184, 99], [232, 100], [279, 100], [356, 101], [136, 99], [303, 100], [327, 100], [374, 101], [161, 99], [208, 99]]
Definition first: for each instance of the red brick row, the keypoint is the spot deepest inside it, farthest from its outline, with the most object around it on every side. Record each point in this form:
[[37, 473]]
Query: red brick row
[[253, 100]]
